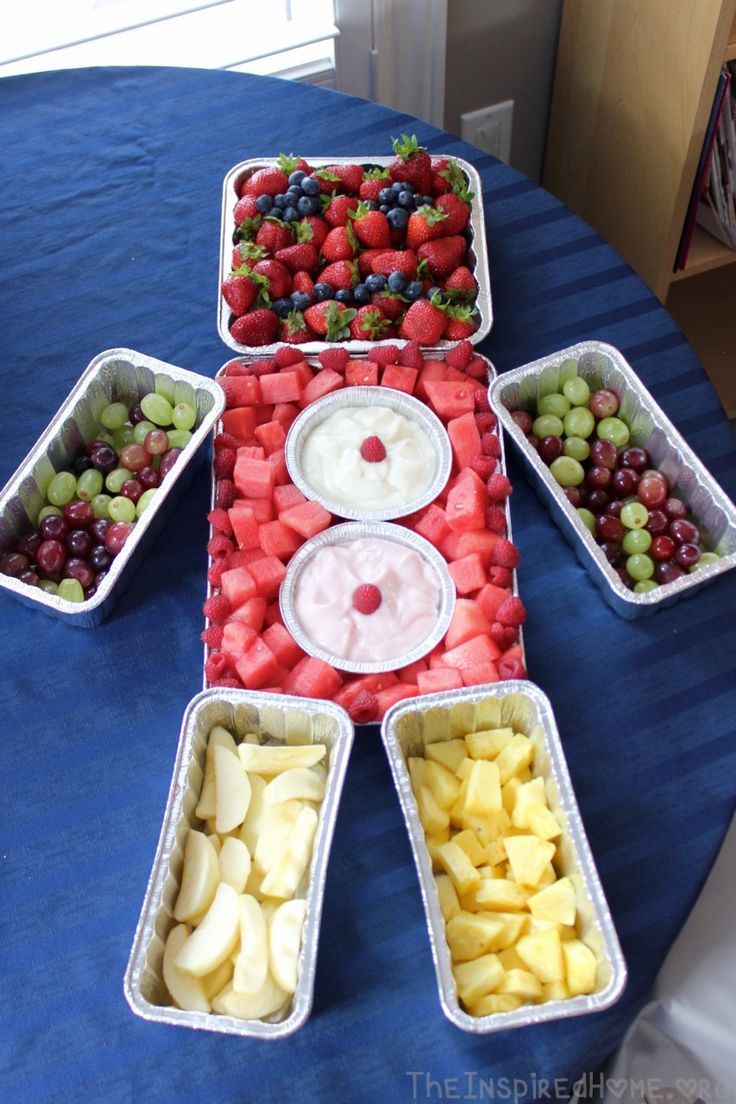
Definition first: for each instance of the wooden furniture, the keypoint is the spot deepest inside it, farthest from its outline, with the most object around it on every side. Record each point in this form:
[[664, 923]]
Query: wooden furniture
[[634, 87]]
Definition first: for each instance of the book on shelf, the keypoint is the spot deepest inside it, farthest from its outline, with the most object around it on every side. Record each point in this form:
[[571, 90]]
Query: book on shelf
[[717, 207]]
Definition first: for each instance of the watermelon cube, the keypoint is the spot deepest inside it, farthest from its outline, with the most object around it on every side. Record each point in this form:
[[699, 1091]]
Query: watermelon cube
[[273, 616], [252, 452], [245, 526], [240, 422], [432, 524], [464, 438], [481, 649], [438, 679], [282, 644], [276, 539], [392, 694], [264, 414], [468, 573], [251, 612], [466, 504], [243, 391], [479, 674], [451, 398], [262, 508], [361, 373], [307, 519], [268, 573], [285, 414], [237, 584], [281, 387], [286, 495], [489, 598], [400, 377], [271, 435], [237, 637], [277, 460], [431, 370], [254, 478], [482, 541], [244, 557], [409, 673], [468, 620], [323, 383], [514, 652], [303, 371], [372, 683], [312, 678], [257, 666]]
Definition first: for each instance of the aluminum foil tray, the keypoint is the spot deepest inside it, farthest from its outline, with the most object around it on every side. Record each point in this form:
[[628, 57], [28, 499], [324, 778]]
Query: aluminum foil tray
[[407, 728], [276, 719], [477, 253], [113, 375], [602, 365]]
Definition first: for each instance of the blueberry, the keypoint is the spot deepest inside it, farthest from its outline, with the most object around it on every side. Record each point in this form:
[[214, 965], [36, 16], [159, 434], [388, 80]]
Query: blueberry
[[418, 202], [294, 190], [300, 300], [323, 291], [310, 186], [398, 218], [406, 199], [386, 195], [414, 290], [308, 205], [282, 307], [427, 201], [344, 295], [385, 207], [401, 186], [361, 294], [432, 291], [371, 204], [280, 200], [290, 214], [396, 281], [264, 203], [297, 176], [375, 282]]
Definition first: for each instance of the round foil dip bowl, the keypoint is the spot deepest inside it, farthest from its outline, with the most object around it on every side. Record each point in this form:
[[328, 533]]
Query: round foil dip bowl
[[346, 535], [346, 398]]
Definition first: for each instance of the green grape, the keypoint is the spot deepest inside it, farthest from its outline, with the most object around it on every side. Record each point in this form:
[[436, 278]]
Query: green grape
[[71, 590], [615, 430], [115, 479], [184, 416], [141, 431], [122, 436], [114, 415], [579, 422], [108, 438], [100, 504], [157, 409], [576, 390], [46, 511], [706, 558], [89, 484], [121, 508], [636, 540], [640, 566], [62, 489], [145, 501], [587, 517], [645, 585], [165, 386], [48, 585], [568, 369], [634, 515], [576, 447], [547, 425], [567, 472], [553, 404], [179, 438]]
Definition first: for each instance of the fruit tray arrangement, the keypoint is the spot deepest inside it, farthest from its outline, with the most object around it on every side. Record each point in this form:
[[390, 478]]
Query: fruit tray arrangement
[[359, 250], [519, 925], [233, 942], [643, 514], [88, 498], [260, 519]]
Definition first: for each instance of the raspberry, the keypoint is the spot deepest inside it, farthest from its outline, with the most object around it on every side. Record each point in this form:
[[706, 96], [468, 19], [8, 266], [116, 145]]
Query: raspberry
[[215, 666], [490, 444], [499, 487], [511, 669], [227, 387], [480, 397], [484, 466], [364, 707], [496, 519], [216, 570], [485, 421], [411, 355], [499, 576], [511, 612], [220, 520], [226, 441], [230, 682], [336, 359], [286, 356], [216, 609], [224, 463], [503, 635], [385, 354], [236, 368], [504, 554], [372, 450], [367, 598], [225, 494], [212, 637], [265, 367], [477, 369], [220, 545], [460, 356]]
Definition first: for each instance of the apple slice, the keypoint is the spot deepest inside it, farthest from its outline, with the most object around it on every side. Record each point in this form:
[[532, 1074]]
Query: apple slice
[[199, 877], [215, 938], [187, 992], [285, 927], [232, 791], [277, 823], [250, 829], [251, 964], [234, 863], [288, 870], [297, 782], [274, 758], [251, 1006], [218, 737]]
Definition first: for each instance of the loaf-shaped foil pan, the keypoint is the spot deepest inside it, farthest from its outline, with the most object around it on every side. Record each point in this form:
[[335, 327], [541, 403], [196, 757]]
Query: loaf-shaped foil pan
[[407, 729], [112, 376], [602, 365], [276, 719], [477, 254]]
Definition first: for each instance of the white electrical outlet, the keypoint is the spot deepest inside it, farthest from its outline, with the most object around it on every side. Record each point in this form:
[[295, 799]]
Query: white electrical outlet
[[489, 128]]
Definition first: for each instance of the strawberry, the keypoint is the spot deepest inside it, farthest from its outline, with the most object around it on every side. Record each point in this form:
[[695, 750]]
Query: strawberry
[[274, 235], [440, 183], [374, 181], [364, 707], [461, 280], [258, 327], [365, 261], [461, 322], [367, 597], [447, 176], [294, 329], [302, 257], [340, 274], [289, 163], [311, 228], [425, 224], [266, 181], [340, 244], [457, 210], [340, 178], [337, 211], [412, 163], [302, 282], [335, 359], [239, 290], [423, 322], [443, 255], [390, 303], [247, 252], [460, 355], [369, 324], [244, 209], [277, 275], [396, 260], [371, 227], [373, 451], [330, 319]]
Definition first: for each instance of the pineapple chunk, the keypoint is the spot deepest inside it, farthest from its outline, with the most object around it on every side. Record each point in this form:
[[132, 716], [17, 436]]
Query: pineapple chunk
[[434, 819], [555, 990], [456, 863], [495, 853], [450, 753], [522, 984], [494, 826], [515, 757], [509, 959], [471, 845], [471, 934], [495, 1002], [527, 793], [549, 876], [449, 904], [464, 768], [483, 795], [500, 895], [514, 925], [509, 791], [488, 743], [443, 784], [433, 847], [554, 902], [528, 857], [417, 767], [457, 812], [542, 822], [542, 954], [477, 978], [580, 967]]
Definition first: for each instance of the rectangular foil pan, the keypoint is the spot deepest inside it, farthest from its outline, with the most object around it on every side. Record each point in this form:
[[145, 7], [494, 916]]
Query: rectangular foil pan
[[477, 254], [407, 728], [314, 362], [276, 719], [113, 375], [602, 365]]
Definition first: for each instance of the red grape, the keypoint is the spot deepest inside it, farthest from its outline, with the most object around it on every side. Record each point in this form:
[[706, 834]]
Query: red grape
[[167, 462], [80, 570], [598, 478], [635, 458], [658, 522], [79, 542], [624, 482], [50, 558], [13, 564], [523, 420], [53, 527], [687, 555], [603, 403], [603, 454], [132, 489], [134, 457], [28, 545], [667, 572], [550, 448], [684, 532], [652, 493], [609, 528], [675, 508], [662, 548], [79, 514], [116, 536]]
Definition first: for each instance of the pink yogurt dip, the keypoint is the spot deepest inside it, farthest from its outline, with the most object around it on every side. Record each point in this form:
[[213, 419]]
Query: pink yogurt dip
[[410, 593]]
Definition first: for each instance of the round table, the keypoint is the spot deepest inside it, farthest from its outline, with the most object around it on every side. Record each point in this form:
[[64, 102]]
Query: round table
[[110, 213]]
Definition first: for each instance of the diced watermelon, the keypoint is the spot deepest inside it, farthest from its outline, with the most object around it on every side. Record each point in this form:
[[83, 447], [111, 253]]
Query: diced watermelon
[[243, 391], [303, 371], [468, 620], [400, 377], [361, 373], [268, 574], [282, 644], [409, 673], [479, 674], [466, 505], [392, 694], [252, 452], [464, 438], [451, 398], [245, 526], [237, 637], [252, 612], [432, 524], [262, 508], [271, 435], [238, 586], [243, 557], [440, 678], [281, 387], [277, 539], [264, 413], [307, 519], [312, 678], [468, 573], [435, 660], [273, 615], [372, 683], [277, 460], [489, 598], [240, 422], [285, 414], [482, 541], [286, 495], [481, 649], [257, 666], [253, 478], [436, 370], [514, 652], [323, 383]]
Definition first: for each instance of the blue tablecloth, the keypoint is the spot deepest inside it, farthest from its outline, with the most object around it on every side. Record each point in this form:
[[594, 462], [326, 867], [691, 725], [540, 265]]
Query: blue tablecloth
[[110, 188]]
